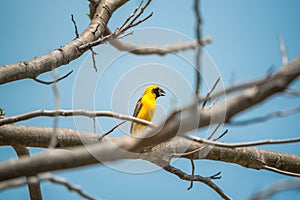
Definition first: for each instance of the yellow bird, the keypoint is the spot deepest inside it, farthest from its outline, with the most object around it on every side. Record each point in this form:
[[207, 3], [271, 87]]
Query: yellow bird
[[145, 106]]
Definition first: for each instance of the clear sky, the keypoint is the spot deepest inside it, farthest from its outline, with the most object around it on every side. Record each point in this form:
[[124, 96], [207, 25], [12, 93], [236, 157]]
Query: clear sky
[[244, 47]]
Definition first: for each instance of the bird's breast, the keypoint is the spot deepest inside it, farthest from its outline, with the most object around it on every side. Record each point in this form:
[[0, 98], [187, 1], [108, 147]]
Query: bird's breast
[[148, 109]]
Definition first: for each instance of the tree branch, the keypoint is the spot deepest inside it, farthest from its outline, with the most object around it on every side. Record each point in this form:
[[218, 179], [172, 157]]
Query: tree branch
[[67, 113], [75, 26], [34, 183], [267, 117], [46, 177], [54, 81], [53, 141], [149, 50], [243, 144], [205, 180], [64, 54], [127, 24], [256, 94], [178, 123], [276, 188], [39, 137], [199, 46]]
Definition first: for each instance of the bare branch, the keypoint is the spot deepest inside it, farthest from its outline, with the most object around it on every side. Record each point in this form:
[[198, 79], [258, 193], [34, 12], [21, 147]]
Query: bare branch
[[282, 50], [34, 183], [64, 182], [39, 137], [133, 21], [13, 183], [94, 124], [75, 26], [235, 88], [267, 117], [81, 156], [148, 50], [54, 81], [276, 188], [231, 145], [292, 92], [130, 16], [126, 25], [111, 130], [258, 93], [66, 53], [53, 141], [220, 136], [243, 144], [214, 131], [205, 180], [281, 171], [210, 92], [66, 113], [193, 173], [93, 7], [199, 47], [46, 177], [94, 53]]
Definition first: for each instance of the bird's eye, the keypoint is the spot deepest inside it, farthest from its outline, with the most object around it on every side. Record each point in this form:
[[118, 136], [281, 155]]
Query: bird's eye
[[155, 90]]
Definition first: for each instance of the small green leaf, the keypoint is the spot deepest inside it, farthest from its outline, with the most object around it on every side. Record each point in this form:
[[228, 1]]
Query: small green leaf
[[2, 112]]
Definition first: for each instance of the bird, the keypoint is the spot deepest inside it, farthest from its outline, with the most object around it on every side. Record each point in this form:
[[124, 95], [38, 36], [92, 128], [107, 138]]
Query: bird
[[145, 107]]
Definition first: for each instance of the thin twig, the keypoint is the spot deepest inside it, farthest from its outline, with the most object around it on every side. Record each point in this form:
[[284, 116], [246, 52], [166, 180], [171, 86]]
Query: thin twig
[[214, 131], [130, 16], [284, 57], [220, 136], [46, 177], [199, 47], [276, 188], [158, 50], [54, 81], [208, 95], [94, 53], [111, 130], [75, 26], [204, 146], [74, 188], [193, 173], [281, 171], [292, 92], [267, 117], [133, 21], [124, 35], [205, 180], [94, 124], [234, 88], [129, 23], [243, 144], [53, 140], [66, 113]]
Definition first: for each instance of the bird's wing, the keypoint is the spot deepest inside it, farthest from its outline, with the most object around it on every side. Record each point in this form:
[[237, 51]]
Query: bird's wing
[[137, 109]]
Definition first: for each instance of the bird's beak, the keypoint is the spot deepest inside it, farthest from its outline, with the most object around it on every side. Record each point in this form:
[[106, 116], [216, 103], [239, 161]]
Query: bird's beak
[[161, 92]]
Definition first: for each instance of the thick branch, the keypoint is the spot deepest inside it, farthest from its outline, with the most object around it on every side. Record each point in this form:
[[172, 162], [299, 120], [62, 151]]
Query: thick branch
[[244, 156], [179, 122], [64, 54], [254, 95]]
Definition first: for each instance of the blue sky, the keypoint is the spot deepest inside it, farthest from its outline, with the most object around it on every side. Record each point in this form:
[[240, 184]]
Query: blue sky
[[244, 47]]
